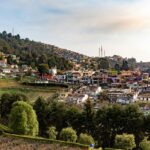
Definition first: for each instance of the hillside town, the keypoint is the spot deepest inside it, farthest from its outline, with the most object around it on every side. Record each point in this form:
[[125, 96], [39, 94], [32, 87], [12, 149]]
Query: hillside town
[[123, 87]]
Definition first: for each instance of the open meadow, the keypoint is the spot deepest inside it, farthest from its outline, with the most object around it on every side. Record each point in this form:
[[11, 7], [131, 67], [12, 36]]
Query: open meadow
[[32, 92]]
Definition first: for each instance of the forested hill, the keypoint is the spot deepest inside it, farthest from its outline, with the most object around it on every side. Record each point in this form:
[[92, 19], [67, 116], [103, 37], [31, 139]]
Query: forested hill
[[34, 53]]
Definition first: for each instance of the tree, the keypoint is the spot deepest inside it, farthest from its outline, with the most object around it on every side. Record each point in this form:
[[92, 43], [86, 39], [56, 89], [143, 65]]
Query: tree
[[73, 118], [145, 145], [108, 124], [56, 114], [42, 59], [17, 37], [103, 63], [52, 133], [43, 69], [23, 119], [147, 124], [10, 60], [117, 67], [86, 139], [40, 107], [133, 121], [125, 65], [88, 114], [103, 96], [4, 34], [7, 100], [125, 141], [68, 134]]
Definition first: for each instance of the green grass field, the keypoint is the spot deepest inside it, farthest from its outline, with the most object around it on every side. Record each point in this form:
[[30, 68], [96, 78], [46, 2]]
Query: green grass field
[[32, 92]]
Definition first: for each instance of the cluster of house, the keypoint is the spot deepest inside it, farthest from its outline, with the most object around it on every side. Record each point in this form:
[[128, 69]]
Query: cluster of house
[[80, 95], [108, 78], [124, 88], [12, 70]]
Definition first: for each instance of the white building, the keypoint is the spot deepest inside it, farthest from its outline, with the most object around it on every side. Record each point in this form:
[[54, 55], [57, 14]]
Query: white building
[[123, 96], [77, 98]]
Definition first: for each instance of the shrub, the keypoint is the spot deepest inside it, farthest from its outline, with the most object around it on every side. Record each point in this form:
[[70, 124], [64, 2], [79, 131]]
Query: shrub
[[86, 139], [23, 119], [145, 145], [68, 134], [52, 132], [125, 141]]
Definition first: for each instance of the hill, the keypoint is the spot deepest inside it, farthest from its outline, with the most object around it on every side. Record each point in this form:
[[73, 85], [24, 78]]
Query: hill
[[34, 53]]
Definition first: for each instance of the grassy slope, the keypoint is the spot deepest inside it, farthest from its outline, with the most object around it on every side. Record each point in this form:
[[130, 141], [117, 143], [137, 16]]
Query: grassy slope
[[17, 144], [12, 141], [12, 86]]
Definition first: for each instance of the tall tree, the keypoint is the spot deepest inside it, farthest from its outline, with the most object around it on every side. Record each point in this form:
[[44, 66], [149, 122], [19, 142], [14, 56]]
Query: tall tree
[[117, 67], [40, 107], [43, 69], [7, 100], [23, 119], [125, 65], [89, 114], [103, 63]]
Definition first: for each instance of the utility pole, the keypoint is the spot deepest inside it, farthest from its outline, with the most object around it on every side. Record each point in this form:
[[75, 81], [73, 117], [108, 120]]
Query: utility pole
[[13, 31], [101, 51]]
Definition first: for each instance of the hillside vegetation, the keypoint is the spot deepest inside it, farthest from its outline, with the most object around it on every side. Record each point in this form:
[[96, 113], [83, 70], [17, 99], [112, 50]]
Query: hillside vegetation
[[35, 53]]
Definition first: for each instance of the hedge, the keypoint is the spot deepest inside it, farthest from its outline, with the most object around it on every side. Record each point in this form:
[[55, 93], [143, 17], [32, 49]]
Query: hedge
[[47, 141]]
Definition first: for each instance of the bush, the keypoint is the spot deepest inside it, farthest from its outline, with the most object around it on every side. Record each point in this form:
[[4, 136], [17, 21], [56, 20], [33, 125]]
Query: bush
[[23, 119], [86, 139], [68, 134], [52, 132], [125, 141], [145, 145]]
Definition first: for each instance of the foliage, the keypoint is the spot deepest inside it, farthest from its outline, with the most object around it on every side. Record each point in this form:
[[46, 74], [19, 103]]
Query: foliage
[[145, 145], [86, 139], [115, 119], [4, 128], [23, 119], [43, 68], [34, 53], [7, 100], [88, 116], [52, 133], [103, 63], [68, 134], [125, 141], [117, 67], [103, 125], [41, 112], [73, 117], [125, 65], [56, 114]]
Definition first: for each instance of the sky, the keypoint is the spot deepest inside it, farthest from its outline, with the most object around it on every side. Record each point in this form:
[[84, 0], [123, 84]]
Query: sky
[[122, 27]]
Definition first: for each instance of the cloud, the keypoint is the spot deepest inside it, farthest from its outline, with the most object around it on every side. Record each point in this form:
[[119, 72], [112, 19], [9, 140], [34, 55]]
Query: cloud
[[80, 24]]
